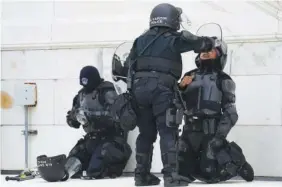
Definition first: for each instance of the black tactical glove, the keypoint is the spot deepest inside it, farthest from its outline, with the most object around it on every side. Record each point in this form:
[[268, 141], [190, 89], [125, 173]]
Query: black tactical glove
[[209, 44], [71, 121]]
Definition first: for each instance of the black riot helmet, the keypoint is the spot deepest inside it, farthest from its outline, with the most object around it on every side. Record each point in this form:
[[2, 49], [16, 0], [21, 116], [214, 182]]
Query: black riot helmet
[[165, 15], [221, 57]]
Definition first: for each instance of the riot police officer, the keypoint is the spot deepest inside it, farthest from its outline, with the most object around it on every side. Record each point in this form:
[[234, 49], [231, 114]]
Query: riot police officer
[[103, 152], [155, 66], [209, 94]]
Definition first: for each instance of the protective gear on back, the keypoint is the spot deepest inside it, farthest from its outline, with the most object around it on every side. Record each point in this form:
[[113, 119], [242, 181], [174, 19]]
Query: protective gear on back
[[123, 112], [165, 15], [52, 169], [89, 78]]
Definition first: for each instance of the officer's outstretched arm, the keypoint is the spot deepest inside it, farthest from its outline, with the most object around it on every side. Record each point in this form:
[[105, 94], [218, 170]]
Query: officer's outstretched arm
[[71, 118], [230, 115], [188, 42]]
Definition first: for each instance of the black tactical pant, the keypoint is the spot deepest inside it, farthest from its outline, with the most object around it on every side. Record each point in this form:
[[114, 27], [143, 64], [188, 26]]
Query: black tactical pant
[[153, 98], [90, 153], [203, 162]]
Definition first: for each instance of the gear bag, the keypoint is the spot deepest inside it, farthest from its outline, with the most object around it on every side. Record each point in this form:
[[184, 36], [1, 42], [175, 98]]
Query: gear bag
[[123, 111]]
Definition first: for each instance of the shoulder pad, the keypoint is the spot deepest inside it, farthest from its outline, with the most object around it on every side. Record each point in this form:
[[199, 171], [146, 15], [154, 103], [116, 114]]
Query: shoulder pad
[[75, 100], [224, 75], [106, 85], [228, 86]]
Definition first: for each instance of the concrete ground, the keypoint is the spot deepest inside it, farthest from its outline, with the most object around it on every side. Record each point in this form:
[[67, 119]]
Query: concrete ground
[[127, 182]]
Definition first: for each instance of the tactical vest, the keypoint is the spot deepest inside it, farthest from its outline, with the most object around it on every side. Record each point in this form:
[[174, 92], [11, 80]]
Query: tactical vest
[[90, 103], [159, 56], [206, 99]]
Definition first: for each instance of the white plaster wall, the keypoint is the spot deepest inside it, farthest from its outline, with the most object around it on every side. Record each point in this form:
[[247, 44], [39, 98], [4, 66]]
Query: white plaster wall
[[255, 67], [259, 90]]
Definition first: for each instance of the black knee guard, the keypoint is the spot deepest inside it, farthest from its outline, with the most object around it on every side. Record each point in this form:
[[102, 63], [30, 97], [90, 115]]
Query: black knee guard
[[116, 152], [143, 177], [231, 158], [172, 175], [115, 156], [52, 169], [187, 159]]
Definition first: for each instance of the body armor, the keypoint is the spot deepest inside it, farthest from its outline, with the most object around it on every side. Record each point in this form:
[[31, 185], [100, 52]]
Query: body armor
[[95, 111], [158, 58], [208, 95]]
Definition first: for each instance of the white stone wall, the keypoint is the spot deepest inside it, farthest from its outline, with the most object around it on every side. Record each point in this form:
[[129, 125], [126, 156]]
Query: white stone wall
[[255, 67]]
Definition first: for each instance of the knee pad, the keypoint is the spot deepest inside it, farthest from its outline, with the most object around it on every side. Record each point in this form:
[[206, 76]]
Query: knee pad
[[72, 166], [52, 169], [113, 154], [236, 154], [231, 158]]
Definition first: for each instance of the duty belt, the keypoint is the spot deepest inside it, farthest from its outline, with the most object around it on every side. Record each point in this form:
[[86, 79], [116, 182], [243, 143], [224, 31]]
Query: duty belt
[[206, 125], [167, 79]]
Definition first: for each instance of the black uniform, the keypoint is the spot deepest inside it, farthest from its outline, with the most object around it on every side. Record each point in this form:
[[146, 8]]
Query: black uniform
[[103, 152], [210, 100], [157, 67]]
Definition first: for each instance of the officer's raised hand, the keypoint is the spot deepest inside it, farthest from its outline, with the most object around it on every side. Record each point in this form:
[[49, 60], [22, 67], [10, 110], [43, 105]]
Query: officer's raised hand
[[71, 121], [185, 81]]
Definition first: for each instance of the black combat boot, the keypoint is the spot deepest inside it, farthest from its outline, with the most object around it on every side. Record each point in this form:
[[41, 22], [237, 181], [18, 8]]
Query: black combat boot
[[143, 177], [246, 172], [170, 170]]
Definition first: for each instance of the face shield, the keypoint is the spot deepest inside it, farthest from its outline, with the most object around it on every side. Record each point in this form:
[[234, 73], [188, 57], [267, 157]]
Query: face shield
[[185, 23], [119, 58], [211, 30]]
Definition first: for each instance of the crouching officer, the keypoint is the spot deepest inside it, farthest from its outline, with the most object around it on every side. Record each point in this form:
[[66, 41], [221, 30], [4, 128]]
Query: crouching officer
[[103, 152], [209, 94]]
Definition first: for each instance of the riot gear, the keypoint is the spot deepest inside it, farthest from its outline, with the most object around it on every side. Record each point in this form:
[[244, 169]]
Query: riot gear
[[210, 99], [103, 152], [91, 109], [52, 169], [153, 67], [165, 15], [219, 62], [89, 78]]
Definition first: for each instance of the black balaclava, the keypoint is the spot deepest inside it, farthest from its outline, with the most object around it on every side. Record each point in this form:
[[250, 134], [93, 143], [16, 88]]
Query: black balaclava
[[89, 78], [211, 64]]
